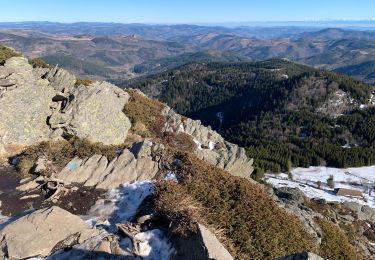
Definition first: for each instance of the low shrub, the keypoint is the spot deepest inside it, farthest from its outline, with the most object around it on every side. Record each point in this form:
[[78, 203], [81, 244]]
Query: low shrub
[[146, 112], [38, 63], [6, 53], [250, 219], [180, 141], [258, 174], [335, 244], [85, 82], [176, 208]]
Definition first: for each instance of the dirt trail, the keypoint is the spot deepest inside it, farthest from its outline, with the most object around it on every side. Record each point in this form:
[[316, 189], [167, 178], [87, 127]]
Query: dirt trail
[[77, 202]]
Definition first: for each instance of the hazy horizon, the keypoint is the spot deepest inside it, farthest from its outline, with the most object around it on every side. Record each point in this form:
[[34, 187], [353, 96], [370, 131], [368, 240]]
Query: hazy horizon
[[319, 23], [191, 12]]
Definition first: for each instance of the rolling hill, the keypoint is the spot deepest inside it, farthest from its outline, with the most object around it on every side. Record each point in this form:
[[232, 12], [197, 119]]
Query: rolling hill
[[284, 113]]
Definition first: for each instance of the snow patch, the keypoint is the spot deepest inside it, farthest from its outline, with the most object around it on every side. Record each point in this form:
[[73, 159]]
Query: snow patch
[[119, 205], [306, 179], [154, 245], [171, 176], [199, 145], [211, 145]]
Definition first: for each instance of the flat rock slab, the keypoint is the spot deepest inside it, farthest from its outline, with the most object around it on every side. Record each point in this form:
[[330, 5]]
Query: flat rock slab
[[40, 233], [97, 172]]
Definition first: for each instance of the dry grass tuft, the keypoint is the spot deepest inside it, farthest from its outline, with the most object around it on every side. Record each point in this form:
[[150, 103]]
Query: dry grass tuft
[[179, 211], [179, 141], [144, 114]]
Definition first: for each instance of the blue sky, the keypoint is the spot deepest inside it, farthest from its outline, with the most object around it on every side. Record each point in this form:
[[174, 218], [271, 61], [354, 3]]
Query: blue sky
[[185, 11]]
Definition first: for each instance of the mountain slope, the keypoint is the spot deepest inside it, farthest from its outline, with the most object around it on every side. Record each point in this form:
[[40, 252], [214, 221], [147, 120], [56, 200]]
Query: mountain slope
[[285, 113], [364, 71], [113, 174]]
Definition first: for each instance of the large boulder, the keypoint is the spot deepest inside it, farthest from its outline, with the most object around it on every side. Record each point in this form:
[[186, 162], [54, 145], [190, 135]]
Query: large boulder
[[94, 112], [41, 233], [211, 146], [290, 195], [24, 109]]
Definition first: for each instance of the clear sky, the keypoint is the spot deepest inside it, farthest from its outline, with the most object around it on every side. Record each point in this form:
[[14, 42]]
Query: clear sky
[[185, 11]]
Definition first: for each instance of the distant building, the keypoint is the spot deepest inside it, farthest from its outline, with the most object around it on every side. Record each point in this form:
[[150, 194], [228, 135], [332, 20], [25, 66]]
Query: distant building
[[348, 193]]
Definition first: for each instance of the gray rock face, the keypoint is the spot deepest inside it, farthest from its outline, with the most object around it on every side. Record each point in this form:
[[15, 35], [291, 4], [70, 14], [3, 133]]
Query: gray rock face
[[211, 147], [41, 104], [98, 172], [94, 112], [290, 195], [302, 256], [363, 212], [203, 245], [40, 233], [215, 249], [61, 80], [24, 108]]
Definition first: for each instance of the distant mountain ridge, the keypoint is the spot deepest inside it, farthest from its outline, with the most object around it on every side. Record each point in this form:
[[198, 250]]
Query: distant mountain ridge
[[127, 51]]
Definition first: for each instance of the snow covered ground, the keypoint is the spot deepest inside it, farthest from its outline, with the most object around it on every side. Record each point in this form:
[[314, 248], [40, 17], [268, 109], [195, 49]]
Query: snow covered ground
[[306, 179], [120, 206]]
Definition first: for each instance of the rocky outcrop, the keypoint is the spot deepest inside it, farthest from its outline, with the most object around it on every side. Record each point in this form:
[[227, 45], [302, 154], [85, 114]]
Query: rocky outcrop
[[203, 245], [93, 112], [363, 212], [97, 172], [41, 233], [338, 103], [24, 108], [61, 80], [302, 256], [292, 200], [211, 147], [39, 104]]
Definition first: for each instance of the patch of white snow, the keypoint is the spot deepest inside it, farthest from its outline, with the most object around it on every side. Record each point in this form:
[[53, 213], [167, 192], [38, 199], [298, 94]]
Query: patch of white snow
[[120, 205], [211, 145], [306, 179], [199, 145], [170, 176], [154, 245]]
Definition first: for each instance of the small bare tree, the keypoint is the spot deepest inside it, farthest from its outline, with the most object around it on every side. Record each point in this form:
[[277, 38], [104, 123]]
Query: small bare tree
[[319, 184]]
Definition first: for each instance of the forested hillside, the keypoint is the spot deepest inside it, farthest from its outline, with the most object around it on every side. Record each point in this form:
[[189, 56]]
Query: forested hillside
[[285, 114]]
